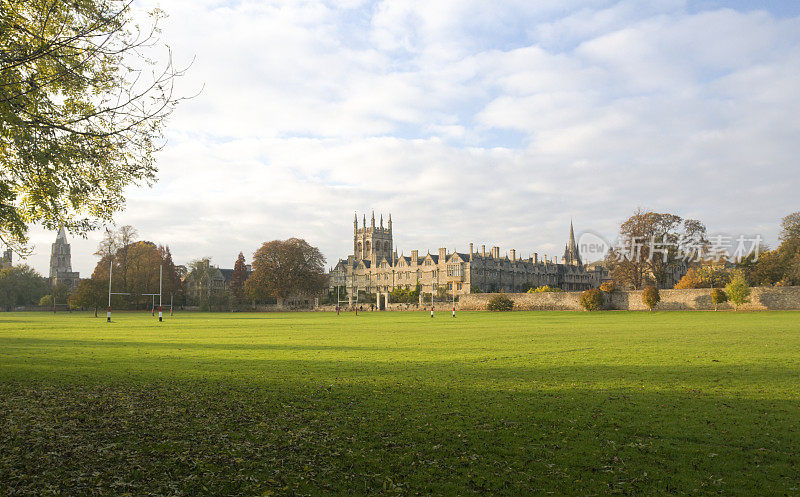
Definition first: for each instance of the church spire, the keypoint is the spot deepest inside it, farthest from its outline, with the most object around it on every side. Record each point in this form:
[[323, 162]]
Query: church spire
[[381, 221], [390, 221], [373, 218], [571, 236], [571, 253]]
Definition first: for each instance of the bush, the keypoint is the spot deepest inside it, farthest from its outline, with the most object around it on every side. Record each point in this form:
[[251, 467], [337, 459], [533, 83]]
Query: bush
[[545, 289], [738, 290], [718, 296], [608, 286], [592, 299], [651, 297], [500, 303]]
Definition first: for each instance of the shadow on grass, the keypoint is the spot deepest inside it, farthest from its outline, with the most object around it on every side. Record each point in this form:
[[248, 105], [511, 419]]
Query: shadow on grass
[[293, 437]]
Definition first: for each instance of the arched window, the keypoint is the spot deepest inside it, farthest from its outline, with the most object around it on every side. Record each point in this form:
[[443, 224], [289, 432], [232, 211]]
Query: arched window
[[366, 246]]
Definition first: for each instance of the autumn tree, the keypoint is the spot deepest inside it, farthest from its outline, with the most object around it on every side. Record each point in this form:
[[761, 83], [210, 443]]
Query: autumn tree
[[704, 276], [82, 111], [691, 279], [286, 267], [651, 247], [142, 270], [136, 269], [651, 297]]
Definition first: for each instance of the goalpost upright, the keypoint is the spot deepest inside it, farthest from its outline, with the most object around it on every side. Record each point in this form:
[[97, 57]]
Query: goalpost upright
[[160, 287]]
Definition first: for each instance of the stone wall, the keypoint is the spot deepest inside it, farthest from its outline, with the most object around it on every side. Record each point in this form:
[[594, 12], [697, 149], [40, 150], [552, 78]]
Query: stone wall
[[761, 299]]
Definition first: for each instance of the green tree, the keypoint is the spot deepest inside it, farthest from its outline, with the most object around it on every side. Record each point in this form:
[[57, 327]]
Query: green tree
[[238, 278], [718, 296], [172, 282], [80, 119], [500, 302], [200, 279], [20, 286], [46, 301], [651, 297], [738, 290], [286, 267], [90, 294]]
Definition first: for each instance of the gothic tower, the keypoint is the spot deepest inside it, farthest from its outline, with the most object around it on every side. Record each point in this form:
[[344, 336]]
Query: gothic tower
[[571, 254], [374, 242], [60, 257], [61, 262], [7, 262]]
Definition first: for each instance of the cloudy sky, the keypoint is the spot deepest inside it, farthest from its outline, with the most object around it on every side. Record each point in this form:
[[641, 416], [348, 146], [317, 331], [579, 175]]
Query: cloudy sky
[[469, 121]]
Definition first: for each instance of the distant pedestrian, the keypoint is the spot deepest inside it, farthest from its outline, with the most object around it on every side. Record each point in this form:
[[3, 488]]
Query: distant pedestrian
[[431, 311], [454, 311]]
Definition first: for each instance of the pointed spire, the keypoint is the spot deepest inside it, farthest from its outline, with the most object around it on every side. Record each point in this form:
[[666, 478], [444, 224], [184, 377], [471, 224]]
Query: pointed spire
[[381, 220], [365, 221], [355, 221], [571, 235], [62, 235], [390, 221], [373, 218]]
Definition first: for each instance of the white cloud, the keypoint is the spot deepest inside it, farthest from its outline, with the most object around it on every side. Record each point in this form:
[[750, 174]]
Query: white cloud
[[469, 121]]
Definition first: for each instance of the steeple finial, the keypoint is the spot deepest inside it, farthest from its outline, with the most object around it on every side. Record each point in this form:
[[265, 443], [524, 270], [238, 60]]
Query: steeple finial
[[365, 221], [381, 221], [390, 221], [373, 218]]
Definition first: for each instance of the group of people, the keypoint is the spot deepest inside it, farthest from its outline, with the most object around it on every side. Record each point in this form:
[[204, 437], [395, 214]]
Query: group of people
[[372, 308]]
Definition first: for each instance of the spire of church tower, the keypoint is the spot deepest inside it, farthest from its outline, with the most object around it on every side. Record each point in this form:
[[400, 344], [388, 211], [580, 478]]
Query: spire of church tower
[[373, 218], [381, 221], [390, 222], [571, 253], [365, 221], [571, 235], [355, 222]]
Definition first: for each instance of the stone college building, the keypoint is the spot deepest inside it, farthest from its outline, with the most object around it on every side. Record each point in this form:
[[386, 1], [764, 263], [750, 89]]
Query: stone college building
[[375, 268]]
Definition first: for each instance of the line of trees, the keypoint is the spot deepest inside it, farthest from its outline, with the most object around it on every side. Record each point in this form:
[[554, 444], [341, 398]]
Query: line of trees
[[281, 269], [21, 286], [136, 266]]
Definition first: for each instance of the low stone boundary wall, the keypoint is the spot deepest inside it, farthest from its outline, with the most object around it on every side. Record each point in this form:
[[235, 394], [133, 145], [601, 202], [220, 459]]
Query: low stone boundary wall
[[761, 299]]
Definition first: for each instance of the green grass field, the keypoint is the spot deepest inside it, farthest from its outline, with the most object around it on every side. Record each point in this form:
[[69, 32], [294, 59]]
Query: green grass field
[[398, 403]]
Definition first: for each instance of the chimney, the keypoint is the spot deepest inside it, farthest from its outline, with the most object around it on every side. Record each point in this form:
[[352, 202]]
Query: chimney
[[495, 252], [442, 255], [513, 255], [414, 257], [483, 251], [535, 258]]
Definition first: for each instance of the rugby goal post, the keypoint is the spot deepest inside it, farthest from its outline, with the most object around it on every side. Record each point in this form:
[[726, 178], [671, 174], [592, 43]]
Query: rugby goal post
[[159, 294]]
